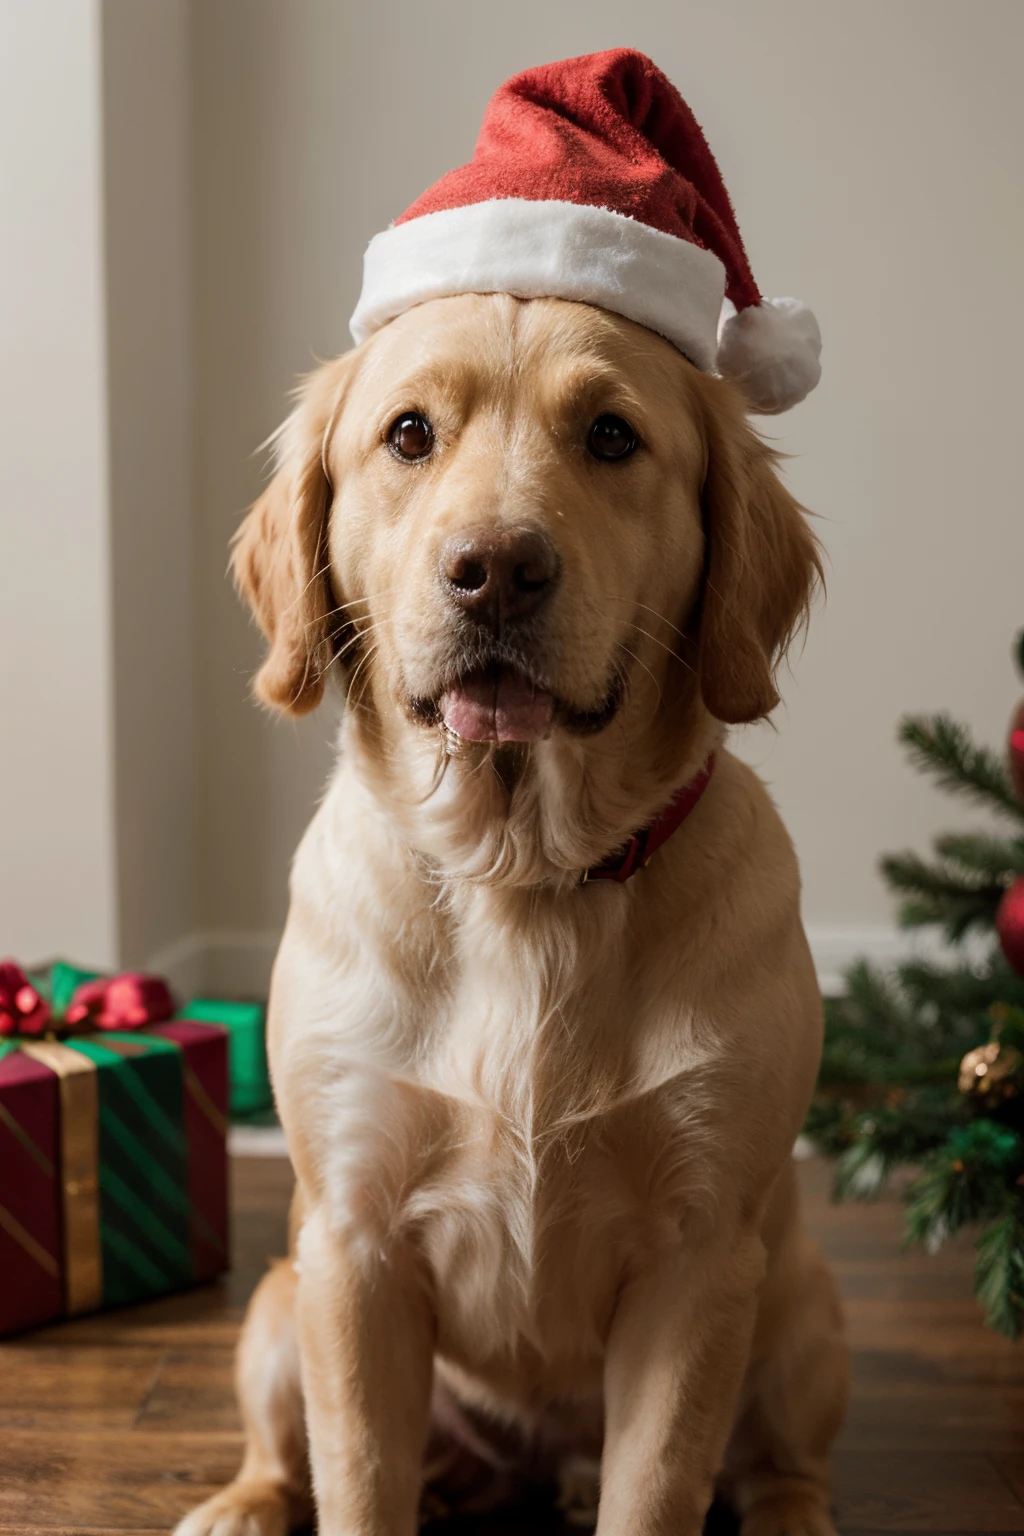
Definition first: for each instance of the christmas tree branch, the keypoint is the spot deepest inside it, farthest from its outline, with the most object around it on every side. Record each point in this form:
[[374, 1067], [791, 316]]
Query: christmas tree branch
[[906, 1130], [940, 746], [962, 1181], [997, 859], [956, 915], [954, 1004], [909, 874], [958, 898], [999, 1271]]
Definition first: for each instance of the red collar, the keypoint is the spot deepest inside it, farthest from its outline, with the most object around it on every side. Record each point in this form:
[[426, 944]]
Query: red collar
[[623, 864]]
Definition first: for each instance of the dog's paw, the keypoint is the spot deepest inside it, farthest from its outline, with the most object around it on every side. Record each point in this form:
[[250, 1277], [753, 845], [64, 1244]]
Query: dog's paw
[[579, 1490], [789, 1514], [240, 1509]]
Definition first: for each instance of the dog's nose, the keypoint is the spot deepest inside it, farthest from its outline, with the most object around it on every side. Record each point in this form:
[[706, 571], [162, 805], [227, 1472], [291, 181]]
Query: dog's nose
[[496, 575]]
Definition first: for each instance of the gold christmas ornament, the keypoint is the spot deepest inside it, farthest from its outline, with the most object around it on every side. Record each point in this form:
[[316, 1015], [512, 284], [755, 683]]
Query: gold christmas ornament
[[990, 1072]]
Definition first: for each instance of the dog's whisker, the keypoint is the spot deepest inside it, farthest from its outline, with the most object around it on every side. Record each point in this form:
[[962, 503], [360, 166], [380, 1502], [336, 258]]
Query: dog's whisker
[[635, 603], [343, 650], [317, 575], [362, 676], [647, 669], [655, 641]]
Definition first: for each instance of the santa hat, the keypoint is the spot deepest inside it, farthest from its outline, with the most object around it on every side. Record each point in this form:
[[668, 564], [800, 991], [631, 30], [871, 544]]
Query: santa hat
[[592, 181]]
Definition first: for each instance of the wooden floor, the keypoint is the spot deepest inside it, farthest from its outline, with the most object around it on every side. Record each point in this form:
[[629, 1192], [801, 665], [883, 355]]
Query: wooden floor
[[121, 1422]]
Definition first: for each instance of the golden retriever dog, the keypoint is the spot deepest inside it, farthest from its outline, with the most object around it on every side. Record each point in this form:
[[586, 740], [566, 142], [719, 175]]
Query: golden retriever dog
[[546, 1223]]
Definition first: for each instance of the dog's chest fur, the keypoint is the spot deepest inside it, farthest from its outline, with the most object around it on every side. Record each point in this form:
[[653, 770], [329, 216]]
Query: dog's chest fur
[[525, 1105]]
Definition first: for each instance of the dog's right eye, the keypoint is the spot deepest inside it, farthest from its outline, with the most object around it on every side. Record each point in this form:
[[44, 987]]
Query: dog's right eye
[[410, 437], [611, 439]]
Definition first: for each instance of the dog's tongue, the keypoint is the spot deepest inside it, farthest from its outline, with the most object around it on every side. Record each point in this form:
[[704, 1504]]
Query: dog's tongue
[[497, 706]]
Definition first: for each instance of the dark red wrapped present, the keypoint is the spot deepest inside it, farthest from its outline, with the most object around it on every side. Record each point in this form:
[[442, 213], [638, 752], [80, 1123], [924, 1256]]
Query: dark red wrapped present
[[30, 1224]]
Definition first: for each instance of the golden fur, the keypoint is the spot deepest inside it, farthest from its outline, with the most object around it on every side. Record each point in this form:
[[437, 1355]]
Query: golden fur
[[541, 1131]]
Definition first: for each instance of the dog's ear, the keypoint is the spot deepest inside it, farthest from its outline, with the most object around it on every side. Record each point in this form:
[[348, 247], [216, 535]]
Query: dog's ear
[[279, 555], [762, 565]]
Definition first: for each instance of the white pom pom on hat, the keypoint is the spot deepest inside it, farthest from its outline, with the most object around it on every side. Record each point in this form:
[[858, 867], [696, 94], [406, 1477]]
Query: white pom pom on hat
[[772, 350], [592, 181]]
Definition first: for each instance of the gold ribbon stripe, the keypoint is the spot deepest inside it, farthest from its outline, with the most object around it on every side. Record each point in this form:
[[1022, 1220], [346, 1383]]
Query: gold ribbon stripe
[[80, 1164]]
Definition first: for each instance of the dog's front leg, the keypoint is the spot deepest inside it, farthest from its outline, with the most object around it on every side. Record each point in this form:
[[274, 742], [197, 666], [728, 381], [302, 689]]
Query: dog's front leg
[[676, 1355], [366, 1347]]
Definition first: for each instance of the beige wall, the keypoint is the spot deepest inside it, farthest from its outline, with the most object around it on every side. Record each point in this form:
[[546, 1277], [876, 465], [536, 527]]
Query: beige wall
[[57, 861], [873, 152], [98, 832], [150, 336]]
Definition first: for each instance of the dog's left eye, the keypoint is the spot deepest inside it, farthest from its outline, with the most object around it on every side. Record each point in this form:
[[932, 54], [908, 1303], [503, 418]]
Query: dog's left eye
[[410, 436], [611, 438]]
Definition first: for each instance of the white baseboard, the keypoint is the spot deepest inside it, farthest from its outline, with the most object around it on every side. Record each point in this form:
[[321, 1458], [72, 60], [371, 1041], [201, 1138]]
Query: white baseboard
[[836, 947], [238, 964], [218, 963], [257, 1141]]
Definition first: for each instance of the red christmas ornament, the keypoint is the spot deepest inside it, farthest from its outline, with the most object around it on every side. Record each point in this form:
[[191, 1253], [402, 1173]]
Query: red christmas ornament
[[1017, 751], [1010, 925]]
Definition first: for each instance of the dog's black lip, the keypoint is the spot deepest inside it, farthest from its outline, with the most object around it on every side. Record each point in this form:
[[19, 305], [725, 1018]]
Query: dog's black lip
[[425, 709], [588, 722]]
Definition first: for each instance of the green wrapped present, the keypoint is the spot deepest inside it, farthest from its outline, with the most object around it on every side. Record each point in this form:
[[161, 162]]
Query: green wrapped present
[[250, 1092], [144, 1220]]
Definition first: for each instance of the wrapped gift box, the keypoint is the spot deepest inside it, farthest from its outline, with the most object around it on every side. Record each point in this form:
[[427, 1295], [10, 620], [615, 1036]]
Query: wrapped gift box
[[246, 1024], [113, 1167]]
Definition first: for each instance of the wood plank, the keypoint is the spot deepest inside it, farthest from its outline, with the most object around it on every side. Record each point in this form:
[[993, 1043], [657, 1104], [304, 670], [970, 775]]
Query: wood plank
[[66, 1387], [949, 1332], [195, 1390], [206, 1315], [79, 1530], [923, 1491], [113, 1482], [1012, 1468], [917, 1417]]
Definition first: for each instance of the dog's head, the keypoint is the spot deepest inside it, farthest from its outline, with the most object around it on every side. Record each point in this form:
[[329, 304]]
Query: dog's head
[[529, 534]]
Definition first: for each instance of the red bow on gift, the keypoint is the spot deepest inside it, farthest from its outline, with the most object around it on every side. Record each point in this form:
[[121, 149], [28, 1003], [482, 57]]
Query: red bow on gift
[[128, 1001], [22, 1010]]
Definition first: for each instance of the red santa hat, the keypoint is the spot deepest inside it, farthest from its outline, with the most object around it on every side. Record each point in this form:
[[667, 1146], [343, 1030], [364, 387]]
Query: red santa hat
[[592, 181]]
